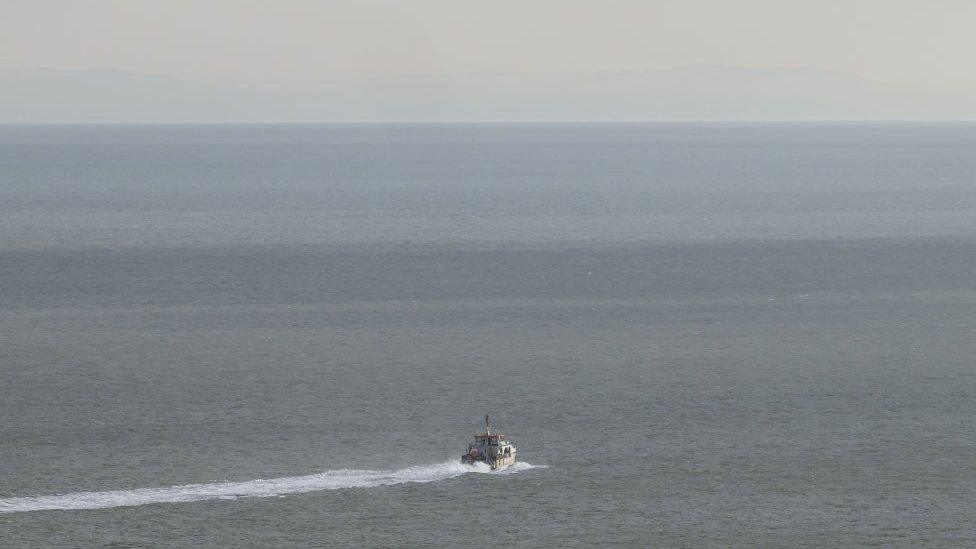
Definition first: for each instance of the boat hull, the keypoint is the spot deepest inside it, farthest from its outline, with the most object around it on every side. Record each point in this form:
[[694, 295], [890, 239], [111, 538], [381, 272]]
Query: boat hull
[[498, 463]]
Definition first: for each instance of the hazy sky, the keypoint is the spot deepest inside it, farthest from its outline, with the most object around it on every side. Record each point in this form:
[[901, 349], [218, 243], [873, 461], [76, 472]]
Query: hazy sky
[[919, 42]]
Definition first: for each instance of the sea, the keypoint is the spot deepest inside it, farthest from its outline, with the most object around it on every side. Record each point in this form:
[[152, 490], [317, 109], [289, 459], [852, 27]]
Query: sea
[[696, 335]]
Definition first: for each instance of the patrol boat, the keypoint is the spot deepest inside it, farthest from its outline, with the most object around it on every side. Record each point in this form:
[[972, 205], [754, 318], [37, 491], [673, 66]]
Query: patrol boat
[[490, 448]]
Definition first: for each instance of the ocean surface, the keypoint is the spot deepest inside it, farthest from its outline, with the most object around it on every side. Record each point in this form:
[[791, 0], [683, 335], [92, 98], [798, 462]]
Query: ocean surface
[[696, 335]]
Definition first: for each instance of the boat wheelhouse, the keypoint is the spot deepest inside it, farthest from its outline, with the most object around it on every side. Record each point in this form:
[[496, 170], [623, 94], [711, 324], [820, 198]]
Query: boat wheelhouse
[[490, 448]]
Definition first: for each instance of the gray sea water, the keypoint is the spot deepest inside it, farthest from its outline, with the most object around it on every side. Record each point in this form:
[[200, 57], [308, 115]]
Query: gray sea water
[[696, 335]]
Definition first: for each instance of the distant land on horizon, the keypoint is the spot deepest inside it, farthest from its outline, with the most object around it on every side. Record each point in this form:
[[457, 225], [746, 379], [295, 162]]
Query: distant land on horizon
[[694, 93]]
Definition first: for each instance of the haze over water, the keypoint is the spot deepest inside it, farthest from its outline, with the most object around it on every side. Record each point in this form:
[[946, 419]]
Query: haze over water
[[716, 334]]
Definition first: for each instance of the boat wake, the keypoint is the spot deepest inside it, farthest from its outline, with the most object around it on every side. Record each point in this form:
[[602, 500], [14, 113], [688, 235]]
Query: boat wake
[[327, 480]]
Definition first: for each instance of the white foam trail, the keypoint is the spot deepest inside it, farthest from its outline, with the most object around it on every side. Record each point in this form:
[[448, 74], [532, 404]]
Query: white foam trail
[[327, 480]]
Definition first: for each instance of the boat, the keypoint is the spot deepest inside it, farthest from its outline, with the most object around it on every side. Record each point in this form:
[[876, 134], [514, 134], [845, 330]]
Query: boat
[[490, 448]]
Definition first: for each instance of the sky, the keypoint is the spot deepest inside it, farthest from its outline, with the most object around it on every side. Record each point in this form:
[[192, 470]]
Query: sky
[[918, 42], [914, 44]]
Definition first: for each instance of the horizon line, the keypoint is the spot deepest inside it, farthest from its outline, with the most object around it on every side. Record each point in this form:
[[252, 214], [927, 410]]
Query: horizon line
[[506, 122]]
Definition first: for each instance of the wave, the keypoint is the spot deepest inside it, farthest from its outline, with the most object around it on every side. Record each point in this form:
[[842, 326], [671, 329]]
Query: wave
[[326, 480]]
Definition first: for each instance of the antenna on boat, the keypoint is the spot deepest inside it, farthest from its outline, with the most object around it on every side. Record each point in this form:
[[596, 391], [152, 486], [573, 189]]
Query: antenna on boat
[[487, 426]]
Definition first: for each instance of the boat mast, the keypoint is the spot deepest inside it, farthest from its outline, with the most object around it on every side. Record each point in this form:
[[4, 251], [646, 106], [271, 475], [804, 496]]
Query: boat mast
[[487, 426]]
